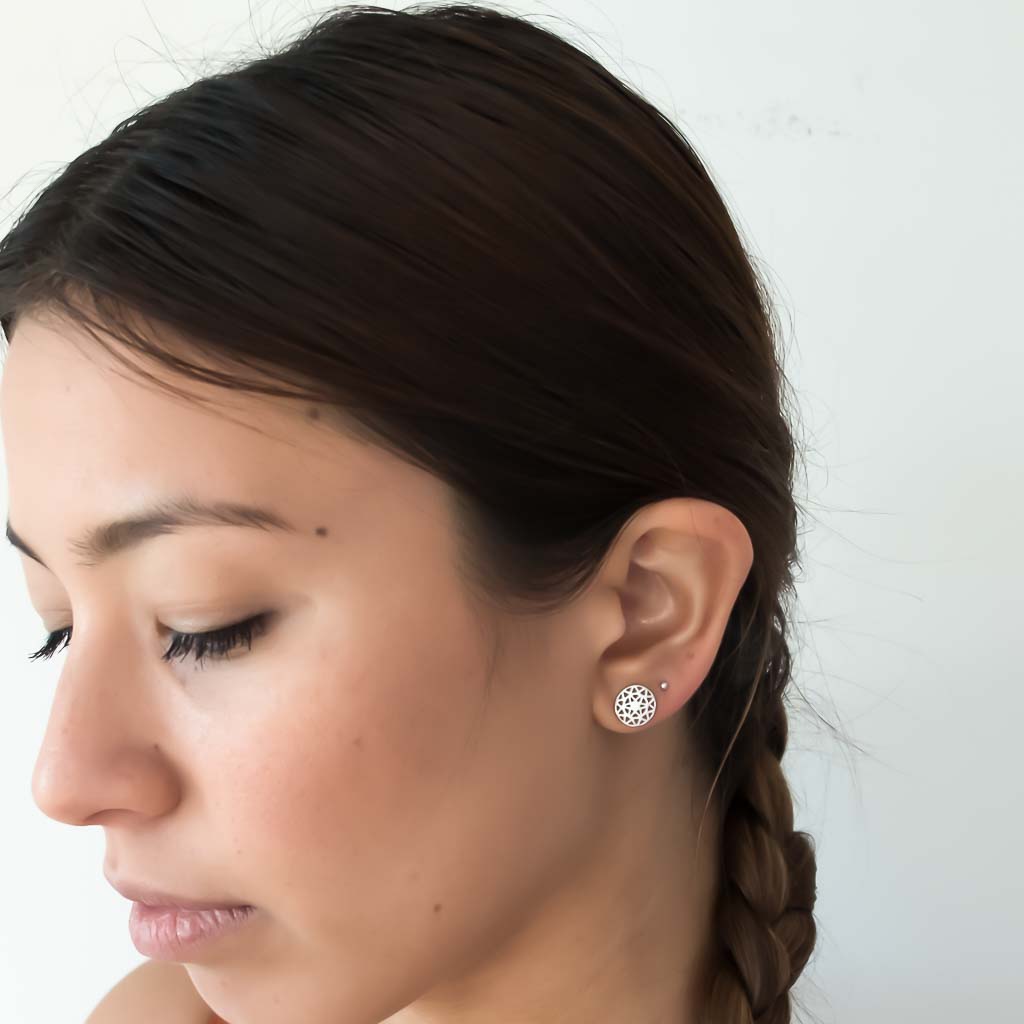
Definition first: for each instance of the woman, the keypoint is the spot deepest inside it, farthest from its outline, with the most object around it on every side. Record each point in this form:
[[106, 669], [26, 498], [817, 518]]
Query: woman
[[401, 418]]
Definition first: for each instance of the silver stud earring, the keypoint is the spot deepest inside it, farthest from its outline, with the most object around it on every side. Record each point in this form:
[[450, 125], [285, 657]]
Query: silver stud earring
[[636, 704]]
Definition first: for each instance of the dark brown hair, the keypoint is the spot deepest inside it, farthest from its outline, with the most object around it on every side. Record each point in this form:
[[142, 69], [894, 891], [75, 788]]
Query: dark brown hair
[[507, 267]]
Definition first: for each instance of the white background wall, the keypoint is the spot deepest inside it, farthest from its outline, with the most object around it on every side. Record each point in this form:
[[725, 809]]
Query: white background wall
[[872, 154]]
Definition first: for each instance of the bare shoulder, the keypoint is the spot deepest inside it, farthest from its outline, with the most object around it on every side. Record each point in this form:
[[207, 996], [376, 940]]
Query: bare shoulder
[[158, 992]]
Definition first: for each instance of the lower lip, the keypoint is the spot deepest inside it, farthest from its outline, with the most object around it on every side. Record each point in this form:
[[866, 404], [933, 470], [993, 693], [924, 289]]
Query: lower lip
[[166, 933]]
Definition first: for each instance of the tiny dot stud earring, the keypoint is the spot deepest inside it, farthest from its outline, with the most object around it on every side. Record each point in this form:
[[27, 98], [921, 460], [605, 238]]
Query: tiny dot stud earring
[[636, 704]]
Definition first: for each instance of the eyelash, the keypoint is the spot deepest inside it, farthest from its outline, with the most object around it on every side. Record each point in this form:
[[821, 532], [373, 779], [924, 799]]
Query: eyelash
[[219, 641]]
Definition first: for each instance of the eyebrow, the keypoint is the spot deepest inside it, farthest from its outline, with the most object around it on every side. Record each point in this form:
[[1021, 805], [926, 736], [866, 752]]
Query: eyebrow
[[101, 542]]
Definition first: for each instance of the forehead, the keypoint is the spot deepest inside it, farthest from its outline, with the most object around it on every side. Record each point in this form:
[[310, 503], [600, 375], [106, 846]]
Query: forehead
[[84, 439], [63, 397]]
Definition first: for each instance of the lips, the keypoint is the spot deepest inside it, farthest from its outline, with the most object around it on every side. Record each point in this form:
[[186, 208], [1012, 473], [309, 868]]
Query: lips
[[157, 898], [163, 933]]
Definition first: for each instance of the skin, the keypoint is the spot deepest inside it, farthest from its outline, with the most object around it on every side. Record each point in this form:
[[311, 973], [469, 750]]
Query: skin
[[422, 847]]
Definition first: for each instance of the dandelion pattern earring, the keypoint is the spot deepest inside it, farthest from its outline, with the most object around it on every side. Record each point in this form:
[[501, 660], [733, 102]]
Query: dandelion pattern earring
[[636, 704]]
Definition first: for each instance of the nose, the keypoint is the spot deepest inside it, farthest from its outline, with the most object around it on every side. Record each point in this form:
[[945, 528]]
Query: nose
[[101, 784], [100, 758]]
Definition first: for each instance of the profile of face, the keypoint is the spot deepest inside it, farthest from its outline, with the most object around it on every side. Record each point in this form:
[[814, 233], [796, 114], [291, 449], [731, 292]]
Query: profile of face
[[405, 809]]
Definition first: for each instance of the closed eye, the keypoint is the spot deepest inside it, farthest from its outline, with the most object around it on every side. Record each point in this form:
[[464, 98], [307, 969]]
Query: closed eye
[[216, 642]]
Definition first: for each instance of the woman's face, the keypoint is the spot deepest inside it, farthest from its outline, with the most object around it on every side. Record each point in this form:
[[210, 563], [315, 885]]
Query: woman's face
[[390, 799], [393, 797]]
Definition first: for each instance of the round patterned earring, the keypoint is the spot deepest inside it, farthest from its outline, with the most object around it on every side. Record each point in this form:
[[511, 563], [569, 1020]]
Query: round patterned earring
[[636, 704]]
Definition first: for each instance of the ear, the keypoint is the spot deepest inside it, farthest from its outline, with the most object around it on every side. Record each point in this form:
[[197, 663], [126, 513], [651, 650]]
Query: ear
[[660, 603]]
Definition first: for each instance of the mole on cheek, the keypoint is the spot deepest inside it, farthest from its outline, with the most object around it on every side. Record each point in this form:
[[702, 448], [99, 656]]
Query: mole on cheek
[[321, 531]]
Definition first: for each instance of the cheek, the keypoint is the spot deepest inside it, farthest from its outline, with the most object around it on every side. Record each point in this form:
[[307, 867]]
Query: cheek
[[343, 793]]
